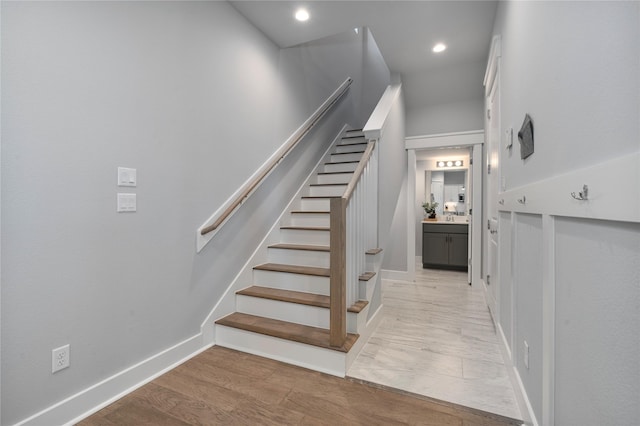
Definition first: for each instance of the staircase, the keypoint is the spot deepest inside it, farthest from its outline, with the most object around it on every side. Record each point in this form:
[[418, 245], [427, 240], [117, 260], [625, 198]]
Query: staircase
[[284, 313]]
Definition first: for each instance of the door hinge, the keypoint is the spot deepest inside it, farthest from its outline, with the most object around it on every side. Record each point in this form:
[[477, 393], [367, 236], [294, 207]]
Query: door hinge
[[488, 114], [489, 168], [488, 223], [471, 161], [488, 279]]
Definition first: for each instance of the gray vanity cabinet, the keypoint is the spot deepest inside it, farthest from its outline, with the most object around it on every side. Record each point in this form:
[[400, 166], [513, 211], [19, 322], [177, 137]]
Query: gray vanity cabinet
[[445, 245]]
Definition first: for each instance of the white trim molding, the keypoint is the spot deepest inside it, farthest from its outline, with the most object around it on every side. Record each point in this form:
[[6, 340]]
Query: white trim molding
[[553, 195], [495, 53], [445, 140], [467, 139]]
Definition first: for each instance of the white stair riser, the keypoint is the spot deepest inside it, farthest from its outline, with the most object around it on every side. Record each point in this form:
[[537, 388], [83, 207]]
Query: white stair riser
[[315, 204], [365, 288], [327, 191], [318, 259], [335, 178], [304, 236], [295, 282], [348, 148], [353, 135], [309, 219], [307, 356], [340, 167], [312, 316], [372, 262], [339, 158]]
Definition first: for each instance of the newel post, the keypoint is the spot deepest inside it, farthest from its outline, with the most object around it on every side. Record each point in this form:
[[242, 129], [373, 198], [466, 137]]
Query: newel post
[[338, 274]]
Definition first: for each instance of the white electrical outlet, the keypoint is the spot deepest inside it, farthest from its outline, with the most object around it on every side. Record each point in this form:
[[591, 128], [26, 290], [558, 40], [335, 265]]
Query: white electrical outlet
[[526, 354], [59, 358]]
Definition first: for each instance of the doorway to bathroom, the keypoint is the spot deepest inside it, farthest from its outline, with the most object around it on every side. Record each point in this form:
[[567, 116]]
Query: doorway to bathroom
[[446, 169]]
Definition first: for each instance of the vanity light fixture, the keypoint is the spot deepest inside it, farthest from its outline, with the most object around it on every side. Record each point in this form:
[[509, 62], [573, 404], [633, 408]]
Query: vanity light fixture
[[450, 163], [440, 47], [302, 15]]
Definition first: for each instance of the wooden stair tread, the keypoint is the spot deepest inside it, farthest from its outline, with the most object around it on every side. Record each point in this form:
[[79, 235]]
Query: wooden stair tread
[[311, 197], [310, 212], [285, 330], [299, 297], [373, 251], [341, 162], [336, 173], [366, 276], [293, 269], [358, 306], [345, 153], [299, 247], [306, 228]]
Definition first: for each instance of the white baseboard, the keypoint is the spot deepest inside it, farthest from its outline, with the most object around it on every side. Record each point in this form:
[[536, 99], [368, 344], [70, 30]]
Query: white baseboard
[[372, 325], [526, 410], [520, 386], [88, 401], [388, 274]]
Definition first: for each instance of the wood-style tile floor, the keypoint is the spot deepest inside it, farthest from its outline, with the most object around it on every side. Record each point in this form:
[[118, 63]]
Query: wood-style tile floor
[[225, 387], [437, 339]]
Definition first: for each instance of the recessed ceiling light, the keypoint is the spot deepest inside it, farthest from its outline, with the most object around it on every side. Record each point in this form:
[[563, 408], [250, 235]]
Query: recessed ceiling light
[[302, 15], [439, 48]]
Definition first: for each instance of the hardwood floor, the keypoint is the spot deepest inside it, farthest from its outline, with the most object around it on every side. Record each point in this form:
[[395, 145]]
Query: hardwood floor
[[222, 386]]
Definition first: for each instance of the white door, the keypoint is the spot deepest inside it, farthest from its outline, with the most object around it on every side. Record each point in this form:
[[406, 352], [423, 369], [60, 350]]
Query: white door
[[491, 231]]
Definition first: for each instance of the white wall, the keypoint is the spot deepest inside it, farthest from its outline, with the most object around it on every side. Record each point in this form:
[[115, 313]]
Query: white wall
[[169, 88], [569, 284]]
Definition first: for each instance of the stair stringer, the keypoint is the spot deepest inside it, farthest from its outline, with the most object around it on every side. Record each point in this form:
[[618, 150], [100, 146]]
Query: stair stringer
[[227, 303]]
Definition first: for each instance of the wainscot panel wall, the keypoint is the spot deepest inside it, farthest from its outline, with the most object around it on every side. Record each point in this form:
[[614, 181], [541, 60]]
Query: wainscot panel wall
[[570, 269]]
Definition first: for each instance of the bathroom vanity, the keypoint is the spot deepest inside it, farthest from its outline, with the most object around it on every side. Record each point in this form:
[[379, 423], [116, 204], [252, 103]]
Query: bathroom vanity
[[445, 245]]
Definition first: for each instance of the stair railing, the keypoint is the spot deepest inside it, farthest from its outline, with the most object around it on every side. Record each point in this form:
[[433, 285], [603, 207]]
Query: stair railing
[[353, 230], [236, 200]]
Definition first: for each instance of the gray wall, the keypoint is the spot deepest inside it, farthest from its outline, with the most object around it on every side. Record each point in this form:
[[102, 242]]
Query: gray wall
[[196, 99], [392, 184], [445, 100], [574, 67]]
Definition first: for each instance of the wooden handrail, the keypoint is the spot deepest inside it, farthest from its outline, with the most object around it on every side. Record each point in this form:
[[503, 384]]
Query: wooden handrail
[[293, 141], [359, 170]]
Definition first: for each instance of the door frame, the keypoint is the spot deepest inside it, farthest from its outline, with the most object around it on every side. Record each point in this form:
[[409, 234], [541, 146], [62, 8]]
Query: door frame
[[492, 84], [471, 139]]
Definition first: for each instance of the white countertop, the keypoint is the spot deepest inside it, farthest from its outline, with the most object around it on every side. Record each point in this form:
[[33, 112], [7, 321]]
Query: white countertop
[[458, 220]]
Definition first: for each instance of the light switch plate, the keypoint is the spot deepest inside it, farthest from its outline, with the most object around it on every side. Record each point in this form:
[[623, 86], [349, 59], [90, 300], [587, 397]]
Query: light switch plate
[[127, 176], [509, 138], [126, 203]]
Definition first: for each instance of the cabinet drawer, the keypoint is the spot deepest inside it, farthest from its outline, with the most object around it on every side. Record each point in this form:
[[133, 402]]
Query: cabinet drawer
[[445, 229]]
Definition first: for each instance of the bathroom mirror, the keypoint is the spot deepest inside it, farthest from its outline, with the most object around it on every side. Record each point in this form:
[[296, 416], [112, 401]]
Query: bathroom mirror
[[449, 189]]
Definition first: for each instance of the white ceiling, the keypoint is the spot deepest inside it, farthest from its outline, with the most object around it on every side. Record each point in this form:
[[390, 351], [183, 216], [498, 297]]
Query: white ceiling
[[404, 30]]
